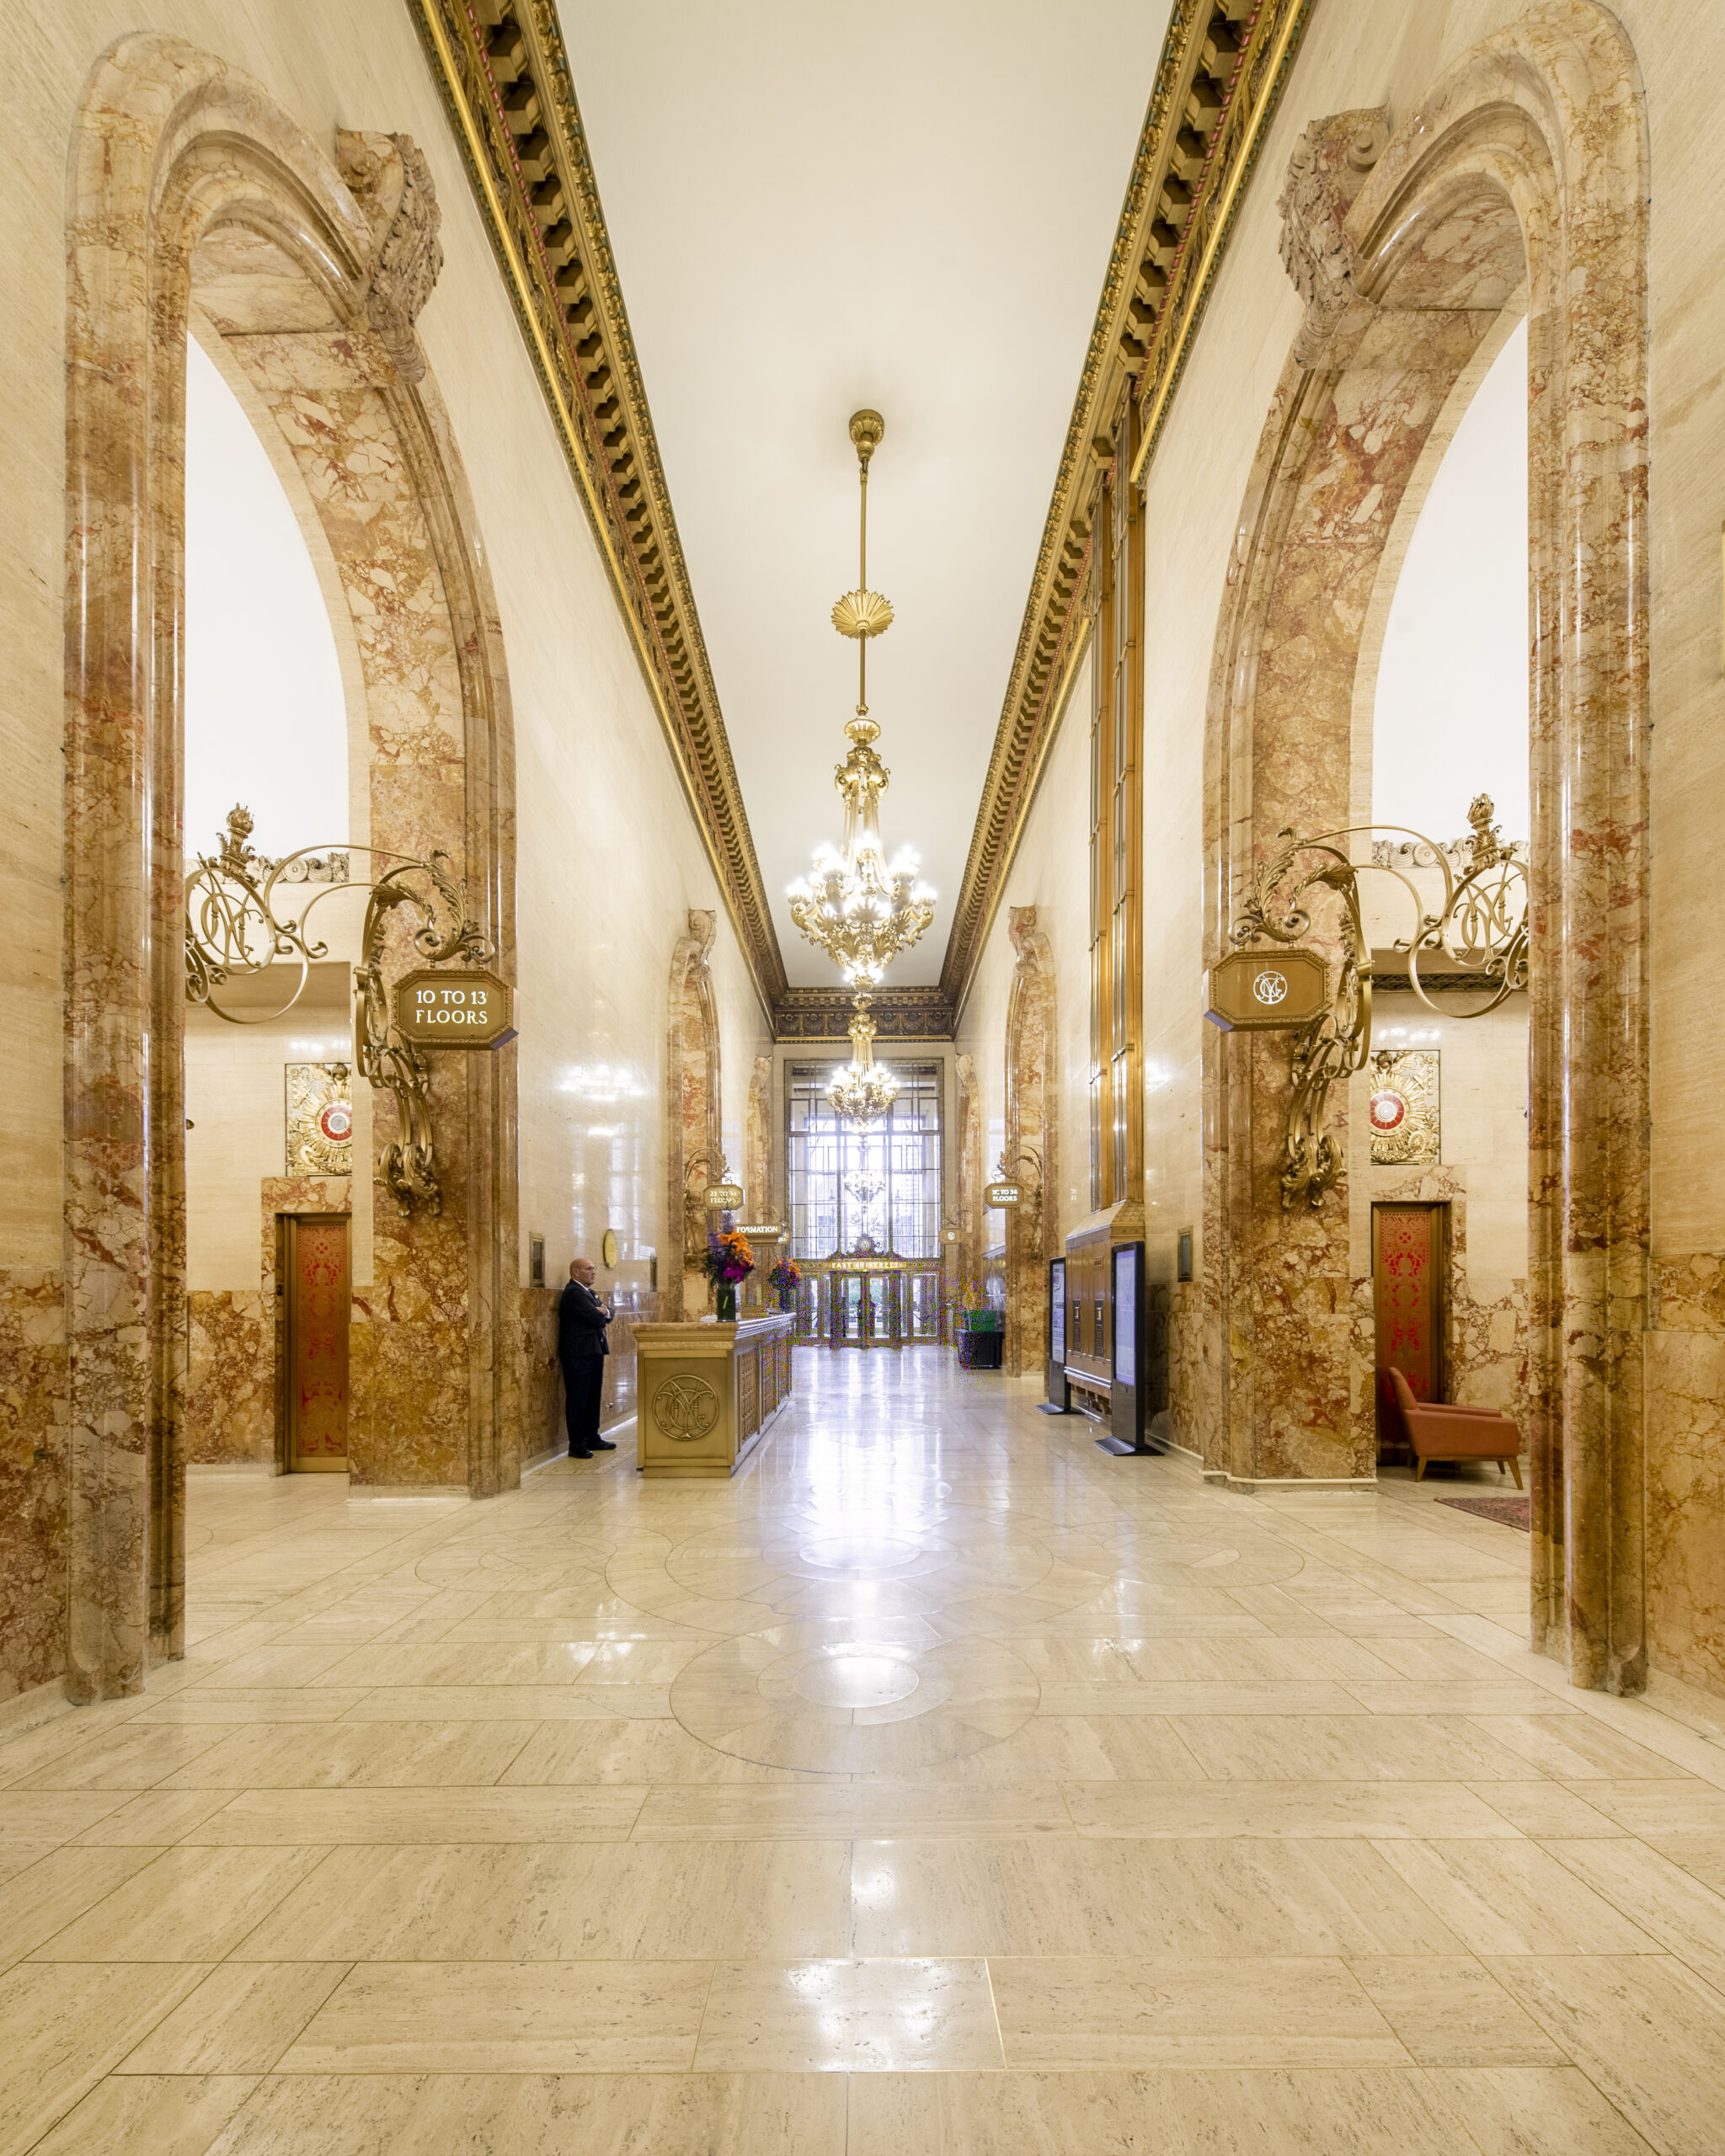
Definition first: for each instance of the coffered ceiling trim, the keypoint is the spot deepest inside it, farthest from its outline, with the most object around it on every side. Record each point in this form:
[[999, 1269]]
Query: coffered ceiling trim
[[1223, 66], [505, 80]]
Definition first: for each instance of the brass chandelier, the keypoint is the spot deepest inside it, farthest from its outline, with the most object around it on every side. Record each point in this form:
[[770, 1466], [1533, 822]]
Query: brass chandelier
[[861, 1092], [859, 911]]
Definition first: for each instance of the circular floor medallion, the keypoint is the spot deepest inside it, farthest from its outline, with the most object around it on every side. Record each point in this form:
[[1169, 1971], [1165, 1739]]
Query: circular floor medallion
[[842, 1553], [856, 1681], [871, 1703]]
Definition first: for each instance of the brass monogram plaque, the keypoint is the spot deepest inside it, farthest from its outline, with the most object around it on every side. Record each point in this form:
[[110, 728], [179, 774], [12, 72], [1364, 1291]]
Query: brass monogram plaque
[[455, 1007], [1253, 991], [686, 1409]]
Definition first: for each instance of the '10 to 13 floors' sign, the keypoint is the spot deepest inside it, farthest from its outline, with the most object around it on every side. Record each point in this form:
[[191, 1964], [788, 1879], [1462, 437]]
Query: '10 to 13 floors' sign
[[466, 1009]]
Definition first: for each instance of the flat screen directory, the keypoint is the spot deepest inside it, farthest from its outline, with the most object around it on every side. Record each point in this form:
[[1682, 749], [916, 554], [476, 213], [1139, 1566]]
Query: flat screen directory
[[1126, 1316]]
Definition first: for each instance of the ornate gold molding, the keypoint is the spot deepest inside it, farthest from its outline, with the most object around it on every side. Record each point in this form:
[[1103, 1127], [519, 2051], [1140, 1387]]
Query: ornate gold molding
[[506, 81], [1222, 67], [900, 1014]]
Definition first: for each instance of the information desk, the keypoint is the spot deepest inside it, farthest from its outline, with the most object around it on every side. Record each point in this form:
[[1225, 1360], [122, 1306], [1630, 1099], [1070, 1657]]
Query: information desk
[[704, 1393]]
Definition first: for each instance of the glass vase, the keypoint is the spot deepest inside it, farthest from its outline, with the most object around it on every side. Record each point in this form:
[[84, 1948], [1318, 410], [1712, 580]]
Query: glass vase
[[727, 1302]]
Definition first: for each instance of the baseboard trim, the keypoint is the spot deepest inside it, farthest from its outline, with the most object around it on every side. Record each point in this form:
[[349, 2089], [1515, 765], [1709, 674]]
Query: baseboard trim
[[26, 1710], [1266, 1485]]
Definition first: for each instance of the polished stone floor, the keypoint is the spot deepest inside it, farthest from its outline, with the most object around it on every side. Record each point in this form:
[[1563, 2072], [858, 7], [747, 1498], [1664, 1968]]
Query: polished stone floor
[[940, 1787]]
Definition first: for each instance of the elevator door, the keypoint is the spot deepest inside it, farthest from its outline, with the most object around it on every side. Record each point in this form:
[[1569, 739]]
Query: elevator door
[[315, 1250], [1407, 1281]]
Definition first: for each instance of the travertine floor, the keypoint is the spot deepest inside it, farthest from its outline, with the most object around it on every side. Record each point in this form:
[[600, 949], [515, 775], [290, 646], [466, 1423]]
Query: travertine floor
[[941, 1787]]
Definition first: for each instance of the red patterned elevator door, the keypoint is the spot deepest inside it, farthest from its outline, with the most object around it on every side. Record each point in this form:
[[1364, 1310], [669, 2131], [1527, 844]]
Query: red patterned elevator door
[[1408, 1256], [317, 1301]]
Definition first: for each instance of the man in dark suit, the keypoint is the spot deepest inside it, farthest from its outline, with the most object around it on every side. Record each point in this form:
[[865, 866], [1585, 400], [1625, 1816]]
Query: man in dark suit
[[581, 1320]]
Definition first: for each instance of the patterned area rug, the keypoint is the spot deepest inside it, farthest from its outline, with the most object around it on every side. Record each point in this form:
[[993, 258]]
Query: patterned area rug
[[1512, 1510]]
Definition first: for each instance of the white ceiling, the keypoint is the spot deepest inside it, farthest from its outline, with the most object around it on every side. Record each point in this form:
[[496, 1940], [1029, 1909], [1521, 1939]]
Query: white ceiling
[[815, 208]]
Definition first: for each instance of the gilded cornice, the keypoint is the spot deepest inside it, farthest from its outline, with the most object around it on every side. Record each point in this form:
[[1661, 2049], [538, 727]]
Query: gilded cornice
[[1222, 67], [506, 81], [900, 1014]]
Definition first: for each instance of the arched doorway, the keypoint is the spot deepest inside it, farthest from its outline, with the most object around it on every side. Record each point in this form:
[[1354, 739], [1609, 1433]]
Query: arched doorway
[[275, 723], [1525, 167], [188, 186]]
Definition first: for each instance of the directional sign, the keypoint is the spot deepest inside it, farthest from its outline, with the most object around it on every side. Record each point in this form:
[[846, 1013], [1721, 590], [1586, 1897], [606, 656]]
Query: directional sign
[[725, 1196], [455, 1007], [997, 1194]]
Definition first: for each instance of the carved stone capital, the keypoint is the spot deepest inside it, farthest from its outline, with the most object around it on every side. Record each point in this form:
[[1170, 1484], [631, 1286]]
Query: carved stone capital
[[1326, 172], [392, 184], [703, 929]]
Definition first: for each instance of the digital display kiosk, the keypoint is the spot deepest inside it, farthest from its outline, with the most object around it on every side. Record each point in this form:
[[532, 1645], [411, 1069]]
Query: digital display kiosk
[[1128, 1393], [1060, 1389]]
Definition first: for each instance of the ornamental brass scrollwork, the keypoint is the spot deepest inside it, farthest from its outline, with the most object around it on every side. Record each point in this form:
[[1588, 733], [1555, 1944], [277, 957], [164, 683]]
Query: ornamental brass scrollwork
[[234, 932], [1481, 930]]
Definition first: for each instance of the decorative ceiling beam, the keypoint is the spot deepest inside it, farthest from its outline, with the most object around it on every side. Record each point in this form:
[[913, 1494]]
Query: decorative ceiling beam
[[900, 1014], [1222, 68], [505, 80]]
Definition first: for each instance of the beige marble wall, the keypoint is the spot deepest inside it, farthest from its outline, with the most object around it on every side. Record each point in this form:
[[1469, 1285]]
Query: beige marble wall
[[1050, 873]]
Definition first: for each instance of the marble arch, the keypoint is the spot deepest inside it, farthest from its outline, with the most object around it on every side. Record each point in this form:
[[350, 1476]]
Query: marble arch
[[187, 183], [1032, 1105], [1527, 161]]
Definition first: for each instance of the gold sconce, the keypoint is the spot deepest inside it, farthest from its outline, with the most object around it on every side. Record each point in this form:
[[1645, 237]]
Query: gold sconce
[[1480, 932], [233, 932]]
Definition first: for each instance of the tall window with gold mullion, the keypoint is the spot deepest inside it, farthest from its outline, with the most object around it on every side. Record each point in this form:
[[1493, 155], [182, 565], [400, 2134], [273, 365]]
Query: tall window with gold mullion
[[1116, 836]]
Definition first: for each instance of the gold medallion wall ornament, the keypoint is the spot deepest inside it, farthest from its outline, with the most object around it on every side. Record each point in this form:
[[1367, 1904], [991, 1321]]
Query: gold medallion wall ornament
[[686, 1409], [1403, 1108], [320, 1119]]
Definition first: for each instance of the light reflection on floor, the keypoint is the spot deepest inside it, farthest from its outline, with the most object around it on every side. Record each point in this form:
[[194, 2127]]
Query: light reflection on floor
[[940, 1784]]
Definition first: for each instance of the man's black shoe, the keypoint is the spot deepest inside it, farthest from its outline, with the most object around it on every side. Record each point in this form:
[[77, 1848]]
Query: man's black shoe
[[583, 1453], [603, 1444]]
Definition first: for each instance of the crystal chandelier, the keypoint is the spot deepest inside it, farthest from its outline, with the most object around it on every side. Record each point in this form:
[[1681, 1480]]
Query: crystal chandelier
[[855, 908], [861, 1093]]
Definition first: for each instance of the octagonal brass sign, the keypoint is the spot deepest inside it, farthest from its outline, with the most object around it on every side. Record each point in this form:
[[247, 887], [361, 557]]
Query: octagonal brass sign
[[1253, 991], [455, 1007]]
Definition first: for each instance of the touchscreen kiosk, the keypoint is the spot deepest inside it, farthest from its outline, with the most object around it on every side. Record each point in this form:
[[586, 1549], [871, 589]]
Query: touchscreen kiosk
[[1060, 1390]]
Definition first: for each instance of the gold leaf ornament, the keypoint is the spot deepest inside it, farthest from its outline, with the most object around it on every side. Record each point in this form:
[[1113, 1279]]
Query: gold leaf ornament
[[863, 614]]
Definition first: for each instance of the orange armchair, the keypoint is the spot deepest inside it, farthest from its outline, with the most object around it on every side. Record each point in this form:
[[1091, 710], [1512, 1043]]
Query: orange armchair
[[1446, 1430]]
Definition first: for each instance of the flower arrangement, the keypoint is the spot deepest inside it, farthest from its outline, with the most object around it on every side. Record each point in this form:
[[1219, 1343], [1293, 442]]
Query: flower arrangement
[[786, 1277], [729, 1259]]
